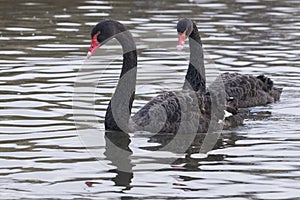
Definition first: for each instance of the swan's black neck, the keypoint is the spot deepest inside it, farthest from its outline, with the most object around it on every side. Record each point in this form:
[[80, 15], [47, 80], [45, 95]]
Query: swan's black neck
[[119, 108], [195, 77]]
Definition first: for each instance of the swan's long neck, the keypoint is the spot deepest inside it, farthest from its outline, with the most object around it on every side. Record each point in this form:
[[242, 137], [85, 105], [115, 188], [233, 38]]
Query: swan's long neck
[[195, 77], [119, 108]]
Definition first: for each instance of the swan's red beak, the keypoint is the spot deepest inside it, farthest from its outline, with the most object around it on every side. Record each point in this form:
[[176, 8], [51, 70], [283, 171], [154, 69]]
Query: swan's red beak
[[94, 46], [181, 39]]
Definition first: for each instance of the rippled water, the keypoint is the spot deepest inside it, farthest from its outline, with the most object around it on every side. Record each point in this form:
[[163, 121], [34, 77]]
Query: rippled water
[[43, 45]]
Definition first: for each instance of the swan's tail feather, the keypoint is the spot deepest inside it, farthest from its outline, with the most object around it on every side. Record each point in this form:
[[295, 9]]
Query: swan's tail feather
[[269, 87], [267, 81]]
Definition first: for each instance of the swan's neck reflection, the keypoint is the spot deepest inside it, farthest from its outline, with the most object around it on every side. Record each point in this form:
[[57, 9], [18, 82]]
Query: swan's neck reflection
[[118, 152]]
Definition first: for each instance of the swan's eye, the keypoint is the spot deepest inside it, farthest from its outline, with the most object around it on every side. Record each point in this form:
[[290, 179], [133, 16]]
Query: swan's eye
[[95, 37], [98, 33]]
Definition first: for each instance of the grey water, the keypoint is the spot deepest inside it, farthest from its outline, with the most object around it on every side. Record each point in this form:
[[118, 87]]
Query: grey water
[[48, 152]]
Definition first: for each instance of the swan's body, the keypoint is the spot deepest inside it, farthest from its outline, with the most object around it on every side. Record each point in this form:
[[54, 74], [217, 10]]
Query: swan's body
[[186, 110], [189, 110], [246, 89], [249, 90]]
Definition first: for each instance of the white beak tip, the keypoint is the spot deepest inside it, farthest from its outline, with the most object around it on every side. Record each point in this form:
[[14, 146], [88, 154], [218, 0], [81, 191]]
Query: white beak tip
[[89, 54]]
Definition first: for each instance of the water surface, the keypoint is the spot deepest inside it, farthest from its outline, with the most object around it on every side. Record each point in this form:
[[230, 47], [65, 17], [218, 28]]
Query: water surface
[[44, 44]]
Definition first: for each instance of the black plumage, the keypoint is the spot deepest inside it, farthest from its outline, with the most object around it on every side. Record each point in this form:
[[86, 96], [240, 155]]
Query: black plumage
[[247, 90], [192, 109]]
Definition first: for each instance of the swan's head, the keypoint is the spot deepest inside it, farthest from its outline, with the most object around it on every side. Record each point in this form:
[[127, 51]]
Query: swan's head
[[184, 29], [102, 32]]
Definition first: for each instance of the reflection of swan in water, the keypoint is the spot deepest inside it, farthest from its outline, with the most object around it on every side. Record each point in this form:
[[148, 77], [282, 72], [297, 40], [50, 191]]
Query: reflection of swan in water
[[118, 152], [247, 90], [185, 160], [186, 110], [163, 139], [192, 160]]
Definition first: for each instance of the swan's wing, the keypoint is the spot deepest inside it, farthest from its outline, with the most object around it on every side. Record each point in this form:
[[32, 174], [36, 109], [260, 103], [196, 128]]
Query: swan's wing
[[249, 90], [171, 112]]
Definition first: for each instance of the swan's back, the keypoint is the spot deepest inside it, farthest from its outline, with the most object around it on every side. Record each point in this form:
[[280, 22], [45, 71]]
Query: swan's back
[[170, 112], [249, 90]]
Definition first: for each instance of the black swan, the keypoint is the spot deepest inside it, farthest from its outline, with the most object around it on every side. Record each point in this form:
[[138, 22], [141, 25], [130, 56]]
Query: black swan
[[246, 90], [169, 112]]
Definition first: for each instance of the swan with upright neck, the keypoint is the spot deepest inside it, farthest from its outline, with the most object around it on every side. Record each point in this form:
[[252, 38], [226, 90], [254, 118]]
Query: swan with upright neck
[[189, 110], [246, 90]]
